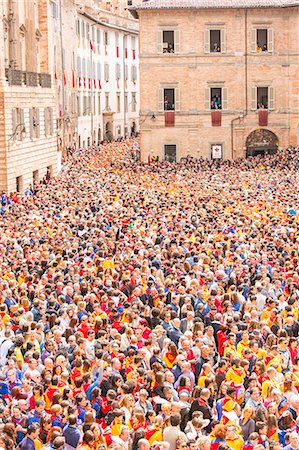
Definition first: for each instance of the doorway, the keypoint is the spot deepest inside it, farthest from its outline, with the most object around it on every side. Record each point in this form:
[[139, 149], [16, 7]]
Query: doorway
[[260, 142], [170, 153]]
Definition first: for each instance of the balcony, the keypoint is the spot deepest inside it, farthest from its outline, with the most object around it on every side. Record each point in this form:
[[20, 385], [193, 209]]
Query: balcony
[[33, 79]]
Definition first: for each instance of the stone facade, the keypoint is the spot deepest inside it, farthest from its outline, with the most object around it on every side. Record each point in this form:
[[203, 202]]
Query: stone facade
[[245, 76], [28, 142], [108, 95]]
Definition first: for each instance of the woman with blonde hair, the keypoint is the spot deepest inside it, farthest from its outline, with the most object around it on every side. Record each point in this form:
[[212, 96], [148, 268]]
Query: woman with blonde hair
[[126, 405], [247, 422]]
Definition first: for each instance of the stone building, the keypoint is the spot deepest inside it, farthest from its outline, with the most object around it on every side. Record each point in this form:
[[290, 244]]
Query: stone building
[[218, 79], [107, 72], [28, 141]]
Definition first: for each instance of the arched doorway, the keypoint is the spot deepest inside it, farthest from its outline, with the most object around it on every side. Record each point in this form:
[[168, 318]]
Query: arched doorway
[[108, 131], [261, 141]]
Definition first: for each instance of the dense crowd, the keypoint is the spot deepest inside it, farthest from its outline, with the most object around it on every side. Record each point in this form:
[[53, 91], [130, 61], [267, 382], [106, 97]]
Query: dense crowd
[[151, 305]]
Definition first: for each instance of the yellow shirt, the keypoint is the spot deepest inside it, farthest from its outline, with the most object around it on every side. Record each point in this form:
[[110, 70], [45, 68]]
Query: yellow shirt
[[236, 443]]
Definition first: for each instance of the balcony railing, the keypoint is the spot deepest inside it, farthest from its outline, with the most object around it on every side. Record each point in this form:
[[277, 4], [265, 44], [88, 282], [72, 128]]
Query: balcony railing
[[20, 78]]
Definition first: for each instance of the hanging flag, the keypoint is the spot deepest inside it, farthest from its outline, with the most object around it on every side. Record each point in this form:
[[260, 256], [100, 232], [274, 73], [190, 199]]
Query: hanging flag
[[84, 82], [64, 78], [100, 86], [134, 54], [73, 79], [55, 74], [126, 52], [89, 83], [94, 83], [79, 81], [117, 52]]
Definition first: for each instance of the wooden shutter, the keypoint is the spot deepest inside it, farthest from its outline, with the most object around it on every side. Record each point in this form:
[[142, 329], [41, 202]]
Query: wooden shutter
[[37, 123], [253, 40], [177, 99], [14, 123], [254, 98], [161, 99], [207, 41], [270, 40], [46, 121], [271, 98], [160, 41], [22, 122], [51, 121], [223, 40], [207, 99], [224, 98], [177, 42], [31, 123]]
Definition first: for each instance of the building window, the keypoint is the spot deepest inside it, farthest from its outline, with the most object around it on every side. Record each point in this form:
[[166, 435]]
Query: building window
[[262, 40], [168, 42], [262, 97], [134, 102], [215, 40], [79, 105], [118, 102], [98, 36], [134, 74], [107, 107], [106, 38], [169, 99], [106, 72], [126, 102], [54, 10], [47, 118], [216, 98], [99, 103], [117, 71]]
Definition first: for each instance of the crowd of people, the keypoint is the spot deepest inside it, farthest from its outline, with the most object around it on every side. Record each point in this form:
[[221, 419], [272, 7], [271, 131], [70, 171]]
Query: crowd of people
[[151, 305]]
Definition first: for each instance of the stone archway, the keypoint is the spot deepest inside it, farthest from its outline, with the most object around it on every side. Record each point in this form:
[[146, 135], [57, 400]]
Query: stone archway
[[261, 141]]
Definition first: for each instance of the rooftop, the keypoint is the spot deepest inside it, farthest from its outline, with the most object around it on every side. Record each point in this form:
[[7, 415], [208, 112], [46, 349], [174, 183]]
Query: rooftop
[[211, 4]]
